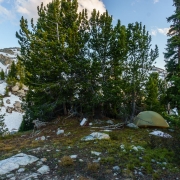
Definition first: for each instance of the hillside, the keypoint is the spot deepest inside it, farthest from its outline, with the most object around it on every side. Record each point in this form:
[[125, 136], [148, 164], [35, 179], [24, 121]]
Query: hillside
[[60, 150], [12, 117], [63, 155]]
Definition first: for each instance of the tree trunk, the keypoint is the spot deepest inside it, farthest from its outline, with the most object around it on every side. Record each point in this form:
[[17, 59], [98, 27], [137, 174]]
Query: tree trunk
[[64, 108]]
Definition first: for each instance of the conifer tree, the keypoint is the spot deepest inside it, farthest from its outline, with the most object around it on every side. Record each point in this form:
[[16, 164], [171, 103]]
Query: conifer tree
[[140, 58], [152, 101], [52, 56], [100, 38], [13, 71], [2, 75], [172, 57]]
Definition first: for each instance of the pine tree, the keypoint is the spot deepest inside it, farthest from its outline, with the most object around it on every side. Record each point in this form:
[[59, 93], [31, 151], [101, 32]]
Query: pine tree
[[172, 57], [100, 38], [13, 71], [2, 75], [52, 57], [152, 93], [140, 58]]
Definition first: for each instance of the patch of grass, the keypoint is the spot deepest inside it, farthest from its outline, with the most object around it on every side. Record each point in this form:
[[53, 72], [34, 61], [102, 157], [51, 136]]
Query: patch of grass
[[114, 135], [108, 160], [93, 167], [155, 175]]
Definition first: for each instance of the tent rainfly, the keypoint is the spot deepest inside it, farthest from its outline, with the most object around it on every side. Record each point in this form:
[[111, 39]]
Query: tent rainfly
[[150, 119]]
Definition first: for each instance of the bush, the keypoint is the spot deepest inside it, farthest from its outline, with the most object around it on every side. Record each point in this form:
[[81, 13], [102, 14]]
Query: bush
[[93, 167], [173, 120], [66, 161]]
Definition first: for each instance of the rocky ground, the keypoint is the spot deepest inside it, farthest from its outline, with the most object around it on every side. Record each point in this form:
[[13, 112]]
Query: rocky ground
[[57, 151]]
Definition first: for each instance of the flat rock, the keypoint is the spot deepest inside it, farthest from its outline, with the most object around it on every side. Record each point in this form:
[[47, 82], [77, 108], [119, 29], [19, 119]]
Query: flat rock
[[44, 169], [15, 88], [12, 163], [96, 135]]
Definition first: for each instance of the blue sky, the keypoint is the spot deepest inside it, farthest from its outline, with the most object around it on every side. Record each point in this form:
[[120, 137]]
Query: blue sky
[[152, 14]]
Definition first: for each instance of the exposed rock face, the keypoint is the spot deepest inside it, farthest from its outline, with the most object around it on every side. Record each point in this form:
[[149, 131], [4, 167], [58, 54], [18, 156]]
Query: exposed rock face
[[21, 93], [9, 109], [8, 101], [25, 88], [5, 60], [15, 162], [15, 88], [17, 104]]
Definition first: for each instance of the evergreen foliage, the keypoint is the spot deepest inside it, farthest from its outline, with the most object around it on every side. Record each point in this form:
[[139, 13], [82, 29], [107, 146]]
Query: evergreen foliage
[[2, 75], [13, 70], [153, 97], [172, 56], [3, 128], [140, 58], [12, 75], [70, 62]]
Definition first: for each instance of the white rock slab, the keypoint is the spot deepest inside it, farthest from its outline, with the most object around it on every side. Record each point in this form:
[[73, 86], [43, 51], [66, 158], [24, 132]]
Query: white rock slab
[[96, 135], [12, 163], [161, 134], [96, 153]]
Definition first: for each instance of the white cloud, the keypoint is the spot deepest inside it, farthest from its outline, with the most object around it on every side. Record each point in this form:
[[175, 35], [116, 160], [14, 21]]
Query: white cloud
[[153, 32], [156, 30], [156, 1], [91, 4], [163, 30], [29, 8], [5, 14]]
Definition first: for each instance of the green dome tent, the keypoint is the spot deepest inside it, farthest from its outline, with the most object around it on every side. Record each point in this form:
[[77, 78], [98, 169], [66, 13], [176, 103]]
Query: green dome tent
[[150, 119]]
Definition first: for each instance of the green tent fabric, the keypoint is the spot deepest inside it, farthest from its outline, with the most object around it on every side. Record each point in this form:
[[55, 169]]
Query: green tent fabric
[[150, 119]]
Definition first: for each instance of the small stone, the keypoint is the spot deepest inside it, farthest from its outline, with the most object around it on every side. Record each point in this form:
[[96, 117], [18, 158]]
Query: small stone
[[8, 101], [95, 153], [135, 148], [141, 174], [43, 159], [80, 160], [122, 146], [39, 163], [153, 161], [109, 122], [116, 168], [44, 169], [21, 170], [95, 161], [115, 174], [9, 175], [73, 156], [15, 88], [13, 178], [43, 138], [59, 131], [132, 125]]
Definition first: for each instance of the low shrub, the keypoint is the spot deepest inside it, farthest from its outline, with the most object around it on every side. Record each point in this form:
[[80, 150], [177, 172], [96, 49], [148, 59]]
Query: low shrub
[[66, 161]]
